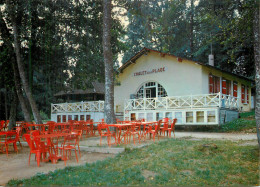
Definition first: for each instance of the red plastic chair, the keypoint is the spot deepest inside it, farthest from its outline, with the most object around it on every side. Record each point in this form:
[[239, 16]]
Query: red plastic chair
[[9, 137], [103, 130], [165, 122], [133, 131], [70, 143], [36, 146], [18, 130], [153, 130], [2, 124], [172, 129]]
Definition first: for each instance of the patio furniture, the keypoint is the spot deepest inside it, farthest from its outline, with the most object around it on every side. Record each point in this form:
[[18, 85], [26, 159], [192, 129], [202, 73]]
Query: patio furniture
[[36, 147], [103, 130], [2, 124], [153, 130], [6, 138], [71, 142], [164, 123], [172, 129], [133, 131]]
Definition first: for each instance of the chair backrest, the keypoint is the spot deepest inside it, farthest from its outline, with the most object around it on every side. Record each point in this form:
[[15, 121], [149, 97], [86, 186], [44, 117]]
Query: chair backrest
[[72, 139], [102, 127], [29, 139], [12, 136], [173, 123], [2, 124]]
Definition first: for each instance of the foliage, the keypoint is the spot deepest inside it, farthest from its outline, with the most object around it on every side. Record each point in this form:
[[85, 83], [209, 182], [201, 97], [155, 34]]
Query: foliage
[[61, 46], [171, 27], [168, 163]]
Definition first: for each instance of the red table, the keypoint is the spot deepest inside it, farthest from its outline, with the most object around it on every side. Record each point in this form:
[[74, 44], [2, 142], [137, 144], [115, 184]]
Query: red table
[[145, 124], [119, 128]]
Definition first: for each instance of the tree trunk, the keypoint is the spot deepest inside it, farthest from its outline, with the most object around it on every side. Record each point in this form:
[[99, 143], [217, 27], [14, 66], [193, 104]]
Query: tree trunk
[[108, 60], [6, 108], [257, 68], [20, 64], [191, 28], [19, 91], [12, 118]]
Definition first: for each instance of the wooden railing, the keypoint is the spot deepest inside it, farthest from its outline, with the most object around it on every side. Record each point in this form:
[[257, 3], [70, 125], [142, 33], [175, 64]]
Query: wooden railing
[[177, 102], [89, 106]]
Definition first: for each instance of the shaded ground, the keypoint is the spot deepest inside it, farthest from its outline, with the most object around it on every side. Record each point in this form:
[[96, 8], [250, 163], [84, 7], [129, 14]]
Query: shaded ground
[[15, 166]]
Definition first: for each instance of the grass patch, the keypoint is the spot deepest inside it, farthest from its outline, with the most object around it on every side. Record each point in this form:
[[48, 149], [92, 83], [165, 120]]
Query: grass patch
[[246, 123], [172, 162]]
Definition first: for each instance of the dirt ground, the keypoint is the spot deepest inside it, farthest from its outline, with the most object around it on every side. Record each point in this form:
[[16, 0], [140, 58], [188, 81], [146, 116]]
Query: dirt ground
[[15, 166]]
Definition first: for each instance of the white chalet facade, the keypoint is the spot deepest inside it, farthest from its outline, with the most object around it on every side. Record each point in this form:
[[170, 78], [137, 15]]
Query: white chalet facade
[[153, 85]]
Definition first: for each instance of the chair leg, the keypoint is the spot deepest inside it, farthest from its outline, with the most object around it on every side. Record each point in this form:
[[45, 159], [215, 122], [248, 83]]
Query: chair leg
[[76, 155], [38, 157], [29, 158], [6, 149]]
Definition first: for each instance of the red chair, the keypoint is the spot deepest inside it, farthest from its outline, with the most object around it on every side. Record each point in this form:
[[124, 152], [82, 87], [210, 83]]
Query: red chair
[[18, 130], [165, 122], [36, 146], [172, 129], [135, 130], [70, 143], [153, 130], [7, 138], [2, 125], [103, 130]]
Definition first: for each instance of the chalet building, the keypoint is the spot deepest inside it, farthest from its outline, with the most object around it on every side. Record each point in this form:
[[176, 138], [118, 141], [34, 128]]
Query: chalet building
[[154, 85]]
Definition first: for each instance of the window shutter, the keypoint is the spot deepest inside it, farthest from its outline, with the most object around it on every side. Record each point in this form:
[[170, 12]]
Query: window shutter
[[247, 95], [216, 85], [224, 86], [235, 89], [210, 83], [242, 93]]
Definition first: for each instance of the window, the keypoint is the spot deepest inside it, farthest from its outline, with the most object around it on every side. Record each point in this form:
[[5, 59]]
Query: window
[[235, 89], [244, 94], [226, 87], [88, 117], [247, 95], [69, 117], [76, 117], [58, 118], [81, 117], [64, 118], [214, 84], [151, 90]]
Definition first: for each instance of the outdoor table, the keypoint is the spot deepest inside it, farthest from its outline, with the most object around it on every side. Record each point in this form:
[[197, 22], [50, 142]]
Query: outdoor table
[[53, 147], [145, 129], [119, 128]]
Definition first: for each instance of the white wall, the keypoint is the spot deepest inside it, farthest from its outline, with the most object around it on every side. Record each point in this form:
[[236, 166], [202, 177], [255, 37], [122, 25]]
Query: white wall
[[179, 78]]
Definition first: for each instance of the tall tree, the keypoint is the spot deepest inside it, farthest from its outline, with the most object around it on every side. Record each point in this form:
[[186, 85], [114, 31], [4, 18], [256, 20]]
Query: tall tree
[[11, 10], [257, 67], [108, 60]]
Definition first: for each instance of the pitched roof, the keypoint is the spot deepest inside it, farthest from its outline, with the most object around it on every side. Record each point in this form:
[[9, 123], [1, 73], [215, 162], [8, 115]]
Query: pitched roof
[[98, 88], [145, 50]]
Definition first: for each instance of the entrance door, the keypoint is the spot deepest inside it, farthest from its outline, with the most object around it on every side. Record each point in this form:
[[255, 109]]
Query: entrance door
[[150, 92]]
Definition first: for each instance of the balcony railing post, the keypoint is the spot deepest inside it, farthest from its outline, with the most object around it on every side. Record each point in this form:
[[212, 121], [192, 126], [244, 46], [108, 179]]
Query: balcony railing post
[[191, 101], [220, 99], [144, 99]]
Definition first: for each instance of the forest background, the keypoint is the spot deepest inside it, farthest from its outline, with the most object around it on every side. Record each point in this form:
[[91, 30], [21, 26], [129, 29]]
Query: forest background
[[61, 41]]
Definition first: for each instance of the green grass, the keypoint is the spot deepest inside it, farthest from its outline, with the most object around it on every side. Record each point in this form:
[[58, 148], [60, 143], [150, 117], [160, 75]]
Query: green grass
[[172, 162], [246, 123]]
